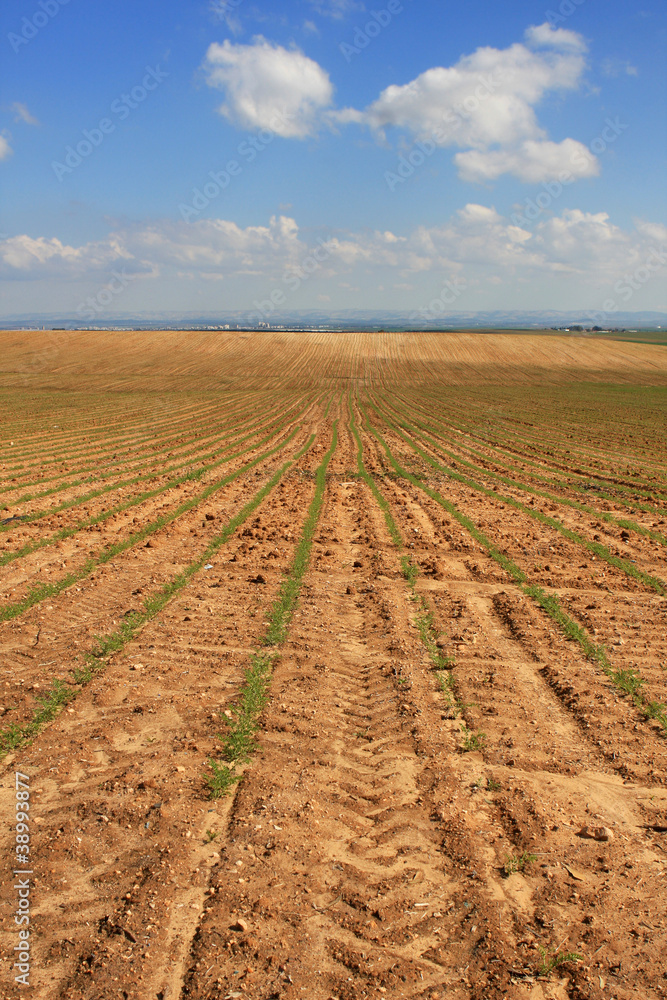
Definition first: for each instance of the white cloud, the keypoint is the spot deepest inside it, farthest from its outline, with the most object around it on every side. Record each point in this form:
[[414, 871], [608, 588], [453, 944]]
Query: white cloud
[[218, 245], [589, 243], [268, 86], [485, 98], [655, 231], [5, 149], [543, 35], [477, 241], [476, 236], [22, 114], [533, 161], [485, 103], [25, 257]]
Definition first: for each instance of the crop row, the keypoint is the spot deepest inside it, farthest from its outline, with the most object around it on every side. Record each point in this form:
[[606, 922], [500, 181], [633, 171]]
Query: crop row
[[42, 591], [534, 457], [205, 462], [449, 445], [147, 446], [627, 680]]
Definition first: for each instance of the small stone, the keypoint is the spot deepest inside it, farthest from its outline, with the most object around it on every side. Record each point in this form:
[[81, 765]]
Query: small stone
[[240, 926]]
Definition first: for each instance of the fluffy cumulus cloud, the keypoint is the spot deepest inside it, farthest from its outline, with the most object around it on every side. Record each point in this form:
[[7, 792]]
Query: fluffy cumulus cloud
[[485, 103], [545, 35], [211, 247], [268, 86], [217, 246], [24, 258], [5, 149], [590, 243], [531, 161], [477, 242], [653, 231]]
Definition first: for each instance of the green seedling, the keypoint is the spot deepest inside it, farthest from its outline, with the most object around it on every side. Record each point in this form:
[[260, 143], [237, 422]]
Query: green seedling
[[627, 680], [558, 958], [82, 675], [517, 862], [222, 780], [409, 569], [655, 710], [472, 741]]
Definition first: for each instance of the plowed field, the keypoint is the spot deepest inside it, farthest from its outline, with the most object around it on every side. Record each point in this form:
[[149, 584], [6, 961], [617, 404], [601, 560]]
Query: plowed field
[[336, 665]]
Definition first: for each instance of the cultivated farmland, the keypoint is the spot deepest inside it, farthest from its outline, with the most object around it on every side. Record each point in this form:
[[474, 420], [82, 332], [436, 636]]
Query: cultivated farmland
[[338, 664]]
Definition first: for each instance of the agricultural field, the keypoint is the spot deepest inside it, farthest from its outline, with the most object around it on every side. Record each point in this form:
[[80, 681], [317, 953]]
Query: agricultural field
[[336, 665]]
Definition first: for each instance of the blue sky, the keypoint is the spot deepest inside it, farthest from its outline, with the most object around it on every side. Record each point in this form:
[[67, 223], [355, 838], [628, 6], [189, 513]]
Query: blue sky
[[402, 155]]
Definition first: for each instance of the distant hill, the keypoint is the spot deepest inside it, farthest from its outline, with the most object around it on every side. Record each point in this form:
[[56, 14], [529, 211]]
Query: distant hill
[[346, 319]]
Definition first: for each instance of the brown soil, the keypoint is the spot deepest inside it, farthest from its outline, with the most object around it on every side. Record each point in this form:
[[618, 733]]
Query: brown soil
[[369, 851]]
